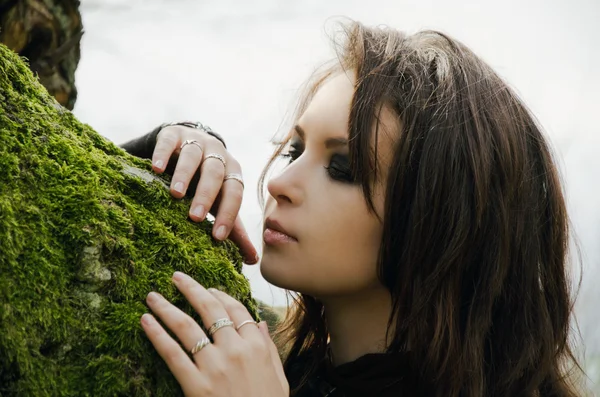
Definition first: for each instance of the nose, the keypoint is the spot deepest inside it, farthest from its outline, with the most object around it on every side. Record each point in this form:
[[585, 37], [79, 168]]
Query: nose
[[286, 187]]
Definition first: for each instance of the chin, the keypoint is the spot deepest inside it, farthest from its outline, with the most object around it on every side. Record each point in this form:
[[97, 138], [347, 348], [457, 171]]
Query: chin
[[276, 273]]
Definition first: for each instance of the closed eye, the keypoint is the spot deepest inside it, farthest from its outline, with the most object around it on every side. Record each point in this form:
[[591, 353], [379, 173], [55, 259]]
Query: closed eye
[[338, 168]]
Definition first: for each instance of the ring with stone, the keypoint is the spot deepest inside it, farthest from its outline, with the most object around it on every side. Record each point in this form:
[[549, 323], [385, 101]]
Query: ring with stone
[[220, 323]]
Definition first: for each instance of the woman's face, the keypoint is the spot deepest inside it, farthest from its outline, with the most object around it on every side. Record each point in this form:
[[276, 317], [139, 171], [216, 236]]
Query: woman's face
[[331, 239]]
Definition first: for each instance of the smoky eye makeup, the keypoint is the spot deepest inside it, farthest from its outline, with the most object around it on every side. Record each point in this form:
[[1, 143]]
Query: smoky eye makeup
[[338, 168], [292, 150]]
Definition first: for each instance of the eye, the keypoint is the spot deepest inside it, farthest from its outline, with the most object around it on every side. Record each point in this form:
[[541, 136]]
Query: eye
[[292, 153], [339, 169]]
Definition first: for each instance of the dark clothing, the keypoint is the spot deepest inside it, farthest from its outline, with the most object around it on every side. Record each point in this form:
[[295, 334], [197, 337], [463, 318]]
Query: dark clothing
[[142, 146], [377, 375], [372, 375]]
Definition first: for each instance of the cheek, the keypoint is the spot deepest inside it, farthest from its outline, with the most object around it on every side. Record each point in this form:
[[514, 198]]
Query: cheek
[[338, 255], [350, 247]]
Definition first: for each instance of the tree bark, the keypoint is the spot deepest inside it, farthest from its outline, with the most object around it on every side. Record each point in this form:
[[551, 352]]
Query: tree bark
[[47, 33]]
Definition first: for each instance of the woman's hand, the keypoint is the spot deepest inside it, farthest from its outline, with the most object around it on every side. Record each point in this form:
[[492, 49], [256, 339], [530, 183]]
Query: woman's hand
[[213, 194], [241, 362]]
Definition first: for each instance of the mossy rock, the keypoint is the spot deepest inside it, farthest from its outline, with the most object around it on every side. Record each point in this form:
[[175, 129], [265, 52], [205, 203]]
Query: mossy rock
[[86, 231]]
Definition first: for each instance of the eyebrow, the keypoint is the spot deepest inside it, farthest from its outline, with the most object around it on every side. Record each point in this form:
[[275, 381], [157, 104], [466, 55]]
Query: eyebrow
[[329, 143]]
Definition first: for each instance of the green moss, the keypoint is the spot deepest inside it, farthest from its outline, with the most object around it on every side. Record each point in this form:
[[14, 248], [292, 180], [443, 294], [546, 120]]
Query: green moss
[[86, 231]]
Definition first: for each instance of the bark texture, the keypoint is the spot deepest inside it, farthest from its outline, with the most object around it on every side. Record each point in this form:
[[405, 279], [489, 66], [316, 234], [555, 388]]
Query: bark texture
[[47, 33]]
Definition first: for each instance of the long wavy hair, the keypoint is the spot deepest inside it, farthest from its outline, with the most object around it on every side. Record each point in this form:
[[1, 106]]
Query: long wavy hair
[[475, 229]]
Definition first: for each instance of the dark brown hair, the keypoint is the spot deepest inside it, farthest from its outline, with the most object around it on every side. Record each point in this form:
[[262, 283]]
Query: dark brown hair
[[474, 247]]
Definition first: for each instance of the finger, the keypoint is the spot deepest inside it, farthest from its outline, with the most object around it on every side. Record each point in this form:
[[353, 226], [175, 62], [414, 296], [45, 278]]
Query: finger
[[232, 192], [187, 165], [206, 305], [238, 314], [212, 172], [240, 237], [167, 142], [274, 353], [177, 360], [182, 325]]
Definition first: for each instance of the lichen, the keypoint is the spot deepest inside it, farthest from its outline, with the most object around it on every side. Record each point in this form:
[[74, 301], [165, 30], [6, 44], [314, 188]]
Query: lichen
[[85, 234]]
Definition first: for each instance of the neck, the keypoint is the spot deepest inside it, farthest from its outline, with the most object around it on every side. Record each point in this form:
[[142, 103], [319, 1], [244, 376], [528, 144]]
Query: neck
[[357, 324]]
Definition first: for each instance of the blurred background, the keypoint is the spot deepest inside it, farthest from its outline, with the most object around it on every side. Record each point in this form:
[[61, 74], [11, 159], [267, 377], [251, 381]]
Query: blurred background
[[236, 66]]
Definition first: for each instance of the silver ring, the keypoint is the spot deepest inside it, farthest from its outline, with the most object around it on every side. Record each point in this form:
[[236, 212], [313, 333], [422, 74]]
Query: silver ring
[[216, 156], [244, 323], [236, 177], [220, 323], [201, 344], [190, 142]]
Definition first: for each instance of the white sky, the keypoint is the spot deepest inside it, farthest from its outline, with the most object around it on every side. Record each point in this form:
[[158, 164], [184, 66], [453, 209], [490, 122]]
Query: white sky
[[236, 65]]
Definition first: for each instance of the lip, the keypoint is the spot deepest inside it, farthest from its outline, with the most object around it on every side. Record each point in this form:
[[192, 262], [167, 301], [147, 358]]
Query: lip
[[276, 226]]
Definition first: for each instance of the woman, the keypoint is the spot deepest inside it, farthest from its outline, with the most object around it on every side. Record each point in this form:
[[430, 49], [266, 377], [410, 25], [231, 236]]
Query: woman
[[421, 221]]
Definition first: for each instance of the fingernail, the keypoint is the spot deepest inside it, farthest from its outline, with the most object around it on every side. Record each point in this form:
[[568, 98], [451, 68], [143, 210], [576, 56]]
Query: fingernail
[[159, 163], [178, 187], [152, 297], [178, 276], [147, 319], [212, 290], [256, 258], [221, 231], [198, 211]]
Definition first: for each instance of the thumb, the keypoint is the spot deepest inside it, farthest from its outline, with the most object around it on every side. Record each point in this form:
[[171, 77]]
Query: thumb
[[239, 236], [275, 359]]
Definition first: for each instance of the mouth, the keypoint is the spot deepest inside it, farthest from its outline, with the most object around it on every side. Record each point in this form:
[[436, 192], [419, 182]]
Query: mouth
[[275, 234]]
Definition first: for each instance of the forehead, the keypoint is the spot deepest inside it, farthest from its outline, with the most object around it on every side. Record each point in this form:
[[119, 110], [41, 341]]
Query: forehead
[[329, 109], [328, 113]]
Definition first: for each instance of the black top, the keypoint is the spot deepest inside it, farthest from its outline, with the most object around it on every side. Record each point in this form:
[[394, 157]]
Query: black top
[[381, 375], [142, 146], [375, 374]]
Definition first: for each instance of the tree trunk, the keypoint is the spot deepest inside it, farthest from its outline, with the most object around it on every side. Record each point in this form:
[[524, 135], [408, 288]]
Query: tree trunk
[[86, 231], [47, 33]]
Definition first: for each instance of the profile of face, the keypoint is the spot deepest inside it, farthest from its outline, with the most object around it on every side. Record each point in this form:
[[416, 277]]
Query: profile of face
[[330, 240]]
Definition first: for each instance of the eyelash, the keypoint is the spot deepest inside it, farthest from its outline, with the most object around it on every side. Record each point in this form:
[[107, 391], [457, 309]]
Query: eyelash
[[333, 172]]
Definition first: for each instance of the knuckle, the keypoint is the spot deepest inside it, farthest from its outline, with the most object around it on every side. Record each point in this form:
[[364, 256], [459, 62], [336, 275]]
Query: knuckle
[[171, 355], [184, 324], [227, 216], [235, 307], [204, 306], [168, 134], [218, 370], [204, 196], [186, 171], [210, 138], [213, 166], [231, 308], [237, 353], [233, 162], [236, 194], [257, 346]]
